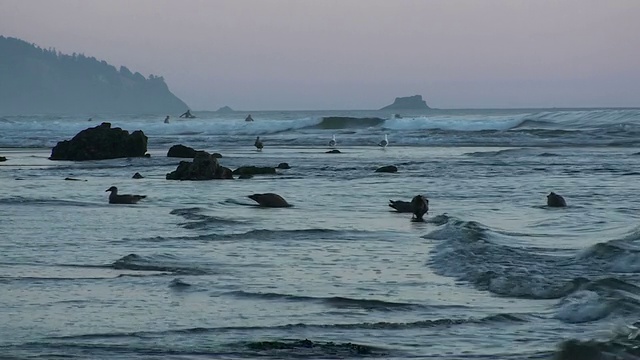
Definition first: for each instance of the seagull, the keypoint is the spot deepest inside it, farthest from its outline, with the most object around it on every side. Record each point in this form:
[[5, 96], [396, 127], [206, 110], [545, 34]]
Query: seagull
[[333, 142], [384, 143], [114, 198], [401, 206], [420, 206], [258, 144]]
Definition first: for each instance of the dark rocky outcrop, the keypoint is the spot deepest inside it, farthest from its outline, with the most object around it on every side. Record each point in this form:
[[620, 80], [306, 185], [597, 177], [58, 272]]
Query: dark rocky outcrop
[[283, 166], [137, 176], [186, 152], [2, 158], [387, 169], [255, 170], [334, 151], [225, 110], [40, 81], [101, 142], [203, 167], [414, 102]]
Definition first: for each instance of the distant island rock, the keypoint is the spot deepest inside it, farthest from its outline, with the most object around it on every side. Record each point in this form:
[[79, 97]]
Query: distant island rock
[[414, 102], [225, 110], [35, 80]]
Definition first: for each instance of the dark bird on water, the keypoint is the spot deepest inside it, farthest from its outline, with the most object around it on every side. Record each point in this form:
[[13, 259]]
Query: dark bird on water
[[258, 144], [419, 206], [269, 200], [114, 198], [401, 206], [555, 200]]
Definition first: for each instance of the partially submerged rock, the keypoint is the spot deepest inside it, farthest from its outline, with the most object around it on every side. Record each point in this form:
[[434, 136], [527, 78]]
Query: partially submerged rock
[[137, 176], [101, 142], [387, 169], [255, 170], [203, 167], [182, 151]]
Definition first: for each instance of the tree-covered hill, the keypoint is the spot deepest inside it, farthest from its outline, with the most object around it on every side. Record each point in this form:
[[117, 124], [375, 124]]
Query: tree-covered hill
[[35, 80]]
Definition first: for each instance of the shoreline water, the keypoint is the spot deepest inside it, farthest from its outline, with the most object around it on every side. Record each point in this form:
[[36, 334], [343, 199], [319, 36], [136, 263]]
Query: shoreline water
[[214, 276]]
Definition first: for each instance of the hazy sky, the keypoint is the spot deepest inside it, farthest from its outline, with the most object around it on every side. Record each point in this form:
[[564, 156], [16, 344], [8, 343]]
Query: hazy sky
[[354, 54]]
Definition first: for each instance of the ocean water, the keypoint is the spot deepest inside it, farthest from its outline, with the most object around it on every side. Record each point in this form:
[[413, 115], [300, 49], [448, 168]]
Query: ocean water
[[195, 271]]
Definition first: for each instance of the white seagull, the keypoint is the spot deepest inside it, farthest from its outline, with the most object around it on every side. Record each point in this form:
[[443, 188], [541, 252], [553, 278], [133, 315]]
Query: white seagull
[[385, 142], [333, 142]]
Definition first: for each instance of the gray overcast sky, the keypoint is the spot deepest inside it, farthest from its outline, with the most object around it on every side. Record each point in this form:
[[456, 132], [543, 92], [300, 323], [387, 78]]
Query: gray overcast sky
[[355, 54]]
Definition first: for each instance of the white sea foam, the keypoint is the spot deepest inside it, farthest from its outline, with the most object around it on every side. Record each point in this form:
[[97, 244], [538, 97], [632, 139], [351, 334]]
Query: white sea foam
[[582, 306], [455, 123]]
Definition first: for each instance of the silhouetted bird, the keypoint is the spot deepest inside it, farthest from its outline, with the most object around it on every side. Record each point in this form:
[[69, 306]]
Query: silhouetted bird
[[258, 144], [420, 206], [401, 206], [555, 200], [114, 198]]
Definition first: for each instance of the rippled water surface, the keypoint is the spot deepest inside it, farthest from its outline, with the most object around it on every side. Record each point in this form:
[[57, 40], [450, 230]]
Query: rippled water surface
[[195, 270]]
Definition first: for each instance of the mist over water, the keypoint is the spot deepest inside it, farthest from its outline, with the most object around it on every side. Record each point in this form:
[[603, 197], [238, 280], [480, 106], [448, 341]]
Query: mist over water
[[195, 271]]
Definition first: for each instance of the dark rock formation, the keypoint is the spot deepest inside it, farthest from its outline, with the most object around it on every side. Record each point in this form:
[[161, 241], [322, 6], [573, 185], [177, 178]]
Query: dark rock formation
[[225, 110], [101, 142], [555, 200], [245, 176], [334, 151], [387, 169], [36, 80], [73, 179], [283, 166], [204, 167], [414, 102], [137, 176], [181, 151], [269, 200], [255, 170], [186, 152], [2, 158]]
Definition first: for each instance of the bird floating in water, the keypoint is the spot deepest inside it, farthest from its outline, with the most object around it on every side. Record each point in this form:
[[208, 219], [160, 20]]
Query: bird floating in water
[[333, 142], [114, 198], [555, 200], [401, 206], [258, 144], [419, 207], [269, 200], [384, 143]]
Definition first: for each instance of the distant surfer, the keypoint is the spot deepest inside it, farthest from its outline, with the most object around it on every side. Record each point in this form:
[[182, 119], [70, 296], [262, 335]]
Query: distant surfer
[[397, 116], [188, 115], [166, 120], [248, 118], [90, 119]]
